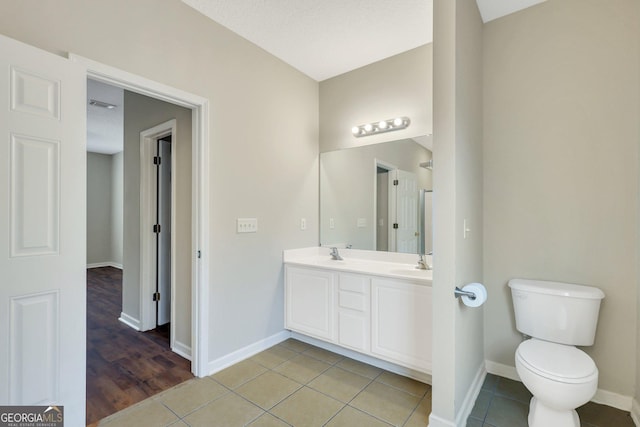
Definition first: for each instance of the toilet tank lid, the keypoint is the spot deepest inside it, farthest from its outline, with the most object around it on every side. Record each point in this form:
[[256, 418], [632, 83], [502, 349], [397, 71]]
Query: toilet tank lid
[[556, 288]]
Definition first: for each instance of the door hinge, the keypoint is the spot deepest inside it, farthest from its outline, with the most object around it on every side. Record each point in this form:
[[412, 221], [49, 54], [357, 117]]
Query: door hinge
[[156, 296], [157, 160], [395, 182], [199, 254], [156, 228], [395, 225]]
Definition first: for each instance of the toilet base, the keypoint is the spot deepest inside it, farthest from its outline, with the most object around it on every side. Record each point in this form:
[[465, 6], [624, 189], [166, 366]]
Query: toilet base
[[540, 415]]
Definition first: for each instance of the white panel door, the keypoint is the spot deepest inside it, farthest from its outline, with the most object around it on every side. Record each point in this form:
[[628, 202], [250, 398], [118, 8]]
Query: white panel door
[[42, 230], [163, 267], [406, 211]]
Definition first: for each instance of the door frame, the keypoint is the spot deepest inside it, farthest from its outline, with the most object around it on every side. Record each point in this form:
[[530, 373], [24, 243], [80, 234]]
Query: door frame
[[148, 189], [199, 189]]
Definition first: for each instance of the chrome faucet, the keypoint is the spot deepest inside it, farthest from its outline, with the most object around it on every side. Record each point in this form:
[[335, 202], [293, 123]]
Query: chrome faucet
[[422, 264], [335, 255]]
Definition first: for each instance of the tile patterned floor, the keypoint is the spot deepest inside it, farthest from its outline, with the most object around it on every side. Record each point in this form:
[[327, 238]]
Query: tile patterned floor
[[290, 384], [296, 384], [505, 403]]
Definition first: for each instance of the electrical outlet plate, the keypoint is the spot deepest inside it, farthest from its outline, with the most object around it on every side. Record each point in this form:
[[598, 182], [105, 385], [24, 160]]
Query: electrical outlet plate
[[303, 223], [247, 225]]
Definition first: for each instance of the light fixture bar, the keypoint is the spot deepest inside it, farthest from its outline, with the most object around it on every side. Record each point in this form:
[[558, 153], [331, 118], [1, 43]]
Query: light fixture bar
[[382, 126], [101, 104]]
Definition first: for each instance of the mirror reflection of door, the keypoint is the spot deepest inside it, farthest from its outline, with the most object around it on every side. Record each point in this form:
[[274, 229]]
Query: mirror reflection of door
[[404, 231], [397, 211]]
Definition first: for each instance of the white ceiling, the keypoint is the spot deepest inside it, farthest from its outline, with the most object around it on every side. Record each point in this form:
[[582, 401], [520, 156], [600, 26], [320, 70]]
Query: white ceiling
[[325, 38], [105, 127]]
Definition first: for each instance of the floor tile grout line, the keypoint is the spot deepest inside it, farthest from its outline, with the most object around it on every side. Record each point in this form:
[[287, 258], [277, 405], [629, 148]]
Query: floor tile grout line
[[416, 408]]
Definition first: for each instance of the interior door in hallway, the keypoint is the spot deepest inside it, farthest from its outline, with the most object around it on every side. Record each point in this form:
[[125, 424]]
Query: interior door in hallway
[[163, 248], [42, 230]]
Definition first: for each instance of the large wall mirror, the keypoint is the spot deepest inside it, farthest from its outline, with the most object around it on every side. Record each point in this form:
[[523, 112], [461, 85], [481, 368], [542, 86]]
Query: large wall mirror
[[377, 197]]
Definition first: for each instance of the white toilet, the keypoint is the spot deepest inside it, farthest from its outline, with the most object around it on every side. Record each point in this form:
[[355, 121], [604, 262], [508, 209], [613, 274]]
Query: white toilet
[[557, 317]]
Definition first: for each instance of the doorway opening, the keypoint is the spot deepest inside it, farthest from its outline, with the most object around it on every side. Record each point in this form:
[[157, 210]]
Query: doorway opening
[[128, 358]]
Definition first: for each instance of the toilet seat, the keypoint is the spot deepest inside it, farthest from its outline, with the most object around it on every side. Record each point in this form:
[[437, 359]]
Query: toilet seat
[[557, 362]]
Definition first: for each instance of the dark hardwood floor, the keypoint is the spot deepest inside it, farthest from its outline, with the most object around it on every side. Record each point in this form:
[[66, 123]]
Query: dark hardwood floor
[[123, 366]]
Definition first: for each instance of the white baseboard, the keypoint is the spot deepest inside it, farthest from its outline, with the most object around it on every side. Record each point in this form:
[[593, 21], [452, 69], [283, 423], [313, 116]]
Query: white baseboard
[[504, 371], [382, 364], [604, 397], [471, 396], [635, 412], [246, 352], [130, 321], [436, 421], [181, 349], [610, 398], [105, 264]]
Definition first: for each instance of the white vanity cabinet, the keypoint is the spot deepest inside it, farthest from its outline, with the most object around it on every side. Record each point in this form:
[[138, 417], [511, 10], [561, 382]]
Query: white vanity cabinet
[[387, 318], [310, 302], [401, 322]]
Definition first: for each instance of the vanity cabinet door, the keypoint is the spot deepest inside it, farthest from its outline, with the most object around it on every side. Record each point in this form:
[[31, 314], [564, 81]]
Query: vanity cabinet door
[[310, 302], [401, 322], [354, 311]]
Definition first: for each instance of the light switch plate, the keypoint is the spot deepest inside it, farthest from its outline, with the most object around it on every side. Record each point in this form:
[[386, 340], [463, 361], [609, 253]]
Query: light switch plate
[[247, 225]]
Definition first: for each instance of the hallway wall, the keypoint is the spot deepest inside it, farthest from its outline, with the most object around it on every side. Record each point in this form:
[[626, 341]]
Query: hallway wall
[[104, 209], [142, 113]]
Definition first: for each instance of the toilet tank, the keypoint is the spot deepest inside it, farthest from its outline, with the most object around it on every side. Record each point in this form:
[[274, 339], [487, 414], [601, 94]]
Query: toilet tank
[[558, 312]]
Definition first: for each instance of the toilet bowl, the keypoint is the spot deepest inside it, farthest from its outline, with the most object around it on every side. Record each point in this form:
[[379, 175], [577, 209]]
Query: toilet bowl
[[560, 377], [557, 316]]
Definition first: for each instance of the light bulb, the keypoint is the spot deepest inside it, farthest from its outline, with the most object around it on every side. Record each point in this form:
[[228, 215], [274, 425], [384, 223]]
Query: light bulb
[[383, 124], [398, 122], [355, 130], [368, 127]]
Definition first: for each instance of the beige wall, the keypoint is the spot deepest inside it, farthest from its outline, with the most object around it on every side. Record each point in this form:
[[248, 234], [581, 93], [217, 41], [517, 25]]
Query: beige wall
[[104, 208], [636, 403], [561, 110], [263, 137], [457, 196], [397, 86], [117, 206], [99, 208], [142, 113]]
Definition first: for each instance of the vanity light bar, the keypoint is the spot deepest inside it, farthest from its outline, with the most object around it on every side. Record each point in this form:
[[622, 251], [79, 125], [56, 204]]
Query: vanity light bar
[[381, 127]]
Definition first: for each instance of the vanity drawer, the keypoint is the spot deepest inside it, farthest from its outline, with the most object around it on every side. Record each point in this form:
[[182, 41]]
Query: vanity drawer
[[354, 292], [354, 283], [353, 301]]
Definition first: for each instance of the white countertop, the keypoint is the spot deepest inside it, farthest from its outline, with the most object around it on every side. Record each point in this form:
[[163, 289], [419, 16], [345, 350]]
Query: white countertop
[[385, 264]]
